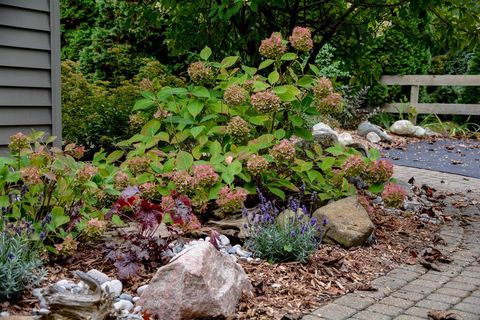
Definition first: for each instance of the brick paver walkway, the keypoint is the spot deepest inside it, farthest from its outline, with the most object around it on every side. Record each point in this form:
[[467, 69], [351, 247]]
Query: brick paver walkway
[[410, 292]]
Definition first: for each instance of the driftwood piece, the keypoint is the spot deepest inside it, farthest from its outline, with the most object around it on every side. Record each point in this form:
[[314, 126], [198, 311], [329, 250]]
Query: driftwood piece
[[96, 305]]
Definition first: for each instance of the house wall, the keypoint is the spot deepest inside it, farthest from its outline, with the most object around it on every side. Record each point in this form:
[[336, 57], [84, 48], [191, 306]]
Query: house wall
[[29, 68]]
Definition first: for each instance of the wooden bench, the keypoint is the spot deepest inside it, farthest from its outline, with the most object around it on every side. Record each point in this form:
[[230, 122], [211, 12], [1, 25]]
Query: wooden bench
[[415, 81]]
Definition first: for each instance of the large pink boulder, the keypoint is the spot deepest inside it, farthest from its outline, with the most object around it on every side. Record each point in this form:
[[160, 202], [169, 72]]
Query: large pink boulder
[[199, 282]]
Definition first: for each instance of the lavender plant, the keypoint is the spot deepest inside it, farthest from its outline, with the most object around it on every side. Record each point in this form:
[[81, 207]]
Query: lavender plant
[[20, 262], [282, 236]]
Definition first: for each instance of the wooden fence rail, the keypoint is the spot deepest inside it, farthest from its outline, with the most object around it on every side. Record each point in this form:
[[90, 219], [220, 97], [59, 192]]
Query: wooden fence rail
[[415, 81]]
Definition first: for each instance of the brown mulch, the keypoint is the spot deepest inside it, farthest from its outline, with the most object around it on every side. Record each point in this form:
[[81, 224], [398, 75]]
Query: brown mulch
[[290, 290]]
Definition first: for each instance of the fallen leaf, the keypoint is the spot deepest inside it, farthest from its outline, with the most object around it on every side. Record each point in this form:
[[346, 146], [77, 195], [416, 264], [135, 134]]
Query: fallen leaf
[[443, 315]]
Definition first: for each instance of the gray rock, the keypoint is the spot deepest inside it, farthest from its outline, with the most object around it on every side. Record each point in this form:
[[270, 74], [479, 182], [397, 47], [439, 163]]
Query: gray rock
[[114, 287], [43, 312], [99, 276], [123, 305], [345, 139], [198, 283], [233, 250], [224, 241], [141, 289], [137, 309], [324, 135], [4, 314], [135, 299], [373, 137], [126, 296], [403, 128], [430, 133], [365, 127], [243, 253], [348, 223], [419, 132]]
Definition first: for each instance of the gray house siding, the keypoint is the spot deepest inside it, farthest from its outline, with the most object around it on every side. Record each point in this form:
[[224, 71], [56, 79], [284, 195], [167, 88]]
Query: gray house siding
[[29, 68]]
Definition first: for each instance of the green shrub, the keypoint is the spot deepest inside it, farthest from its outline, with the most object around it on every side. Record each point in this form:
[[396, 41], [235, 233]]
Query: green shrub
[[95, 115], [20, 260], [245, 124], [52, 191]]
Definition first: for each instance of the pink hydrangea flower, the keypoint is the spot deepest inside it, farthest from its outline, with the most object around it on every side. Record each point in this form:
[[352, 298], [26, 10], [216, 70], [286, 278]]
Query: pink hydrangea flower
[[331, 103], [31, 175], [265, 101], [301, 39], [86, 173], [353, 166], [204, 176], [148, 190], [379, 171], [257, 164], [272, 47], [18, 142], [230, 200], [393, 195], [284, 151], [322, 87], [121, 180], [138, 164], [199, 72], [182, 180], [235, 95]]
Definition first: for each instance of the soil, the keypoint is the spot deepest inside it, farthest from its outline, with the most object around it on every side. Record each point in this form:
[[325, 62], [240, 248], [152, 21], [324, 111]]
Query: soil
[[288, 289]]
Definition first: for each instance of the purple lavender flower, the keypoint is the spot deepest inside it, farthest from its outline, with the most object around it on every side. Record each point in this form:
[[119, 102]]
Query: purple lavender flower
[[293, 233], [10, 256], [304, 229], [313, 221], [304, 209], [324, 221], [43, 235], [294, 205], [244, 212]]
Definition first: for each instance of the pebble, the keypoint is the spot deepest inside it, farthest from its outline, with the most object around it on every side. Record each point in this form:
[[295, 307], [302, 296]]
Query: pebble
[[99, 276], [224, 241], [137, 309], [141, 289], [135, 299], [114, 287], [377, 200], [4, 314], [242, 253], [126, 296], [232, 250], [43, 312], [123, 305]]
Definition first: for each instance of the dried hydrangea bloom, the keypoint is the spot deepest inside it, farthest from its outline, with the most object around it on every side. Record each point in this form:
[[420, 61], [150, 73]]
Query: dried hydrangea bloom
[[379, 171], [75, 151], [18, 142], [146, 85], [353, 166], [322, 87], [86, 173], [204, 176], [265, 101], [284, 151], [272, 47], [31, 175], [199, 72], [161, 114], [393, 195], [257, 164], [94, 228], [332, 103], [301, 39], [68, 246], [235, 95], [182, 180], [121, 180], [148, 190], [238, 128], [138, 164], [230, 200], [136, 120]]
